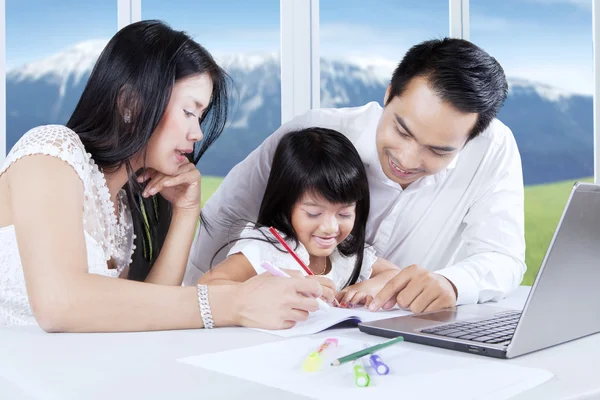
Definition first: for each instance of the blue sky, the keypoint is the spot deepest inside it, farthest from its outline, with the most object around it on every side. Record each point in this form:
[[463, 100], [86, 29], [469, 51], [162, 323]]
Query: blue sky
[[544, 40]]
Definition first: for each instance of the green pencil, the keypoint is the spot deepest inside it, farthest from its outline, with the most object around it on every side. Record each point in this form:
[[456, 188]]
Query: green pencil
[[364, 352]]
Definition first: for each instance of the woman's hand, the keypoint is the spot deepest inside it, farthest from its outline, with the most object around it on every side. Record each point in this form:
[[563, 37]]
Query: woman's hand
[[182, 190], [364, 292], [269, 302], [327, 284]]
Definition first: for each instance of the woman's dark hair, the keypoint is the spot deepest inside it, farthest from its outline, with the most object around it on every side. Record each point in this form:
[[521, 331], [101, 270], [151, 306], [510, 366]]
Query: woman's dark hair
[[460, 73], [325, 163], [137, 71]]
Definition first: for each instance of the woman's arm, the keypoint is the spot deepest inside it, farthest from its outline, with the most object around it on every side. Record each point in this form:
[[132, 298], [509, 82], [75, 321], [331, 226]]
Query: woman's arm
[[169, 267], [47, 202], [182, 190]]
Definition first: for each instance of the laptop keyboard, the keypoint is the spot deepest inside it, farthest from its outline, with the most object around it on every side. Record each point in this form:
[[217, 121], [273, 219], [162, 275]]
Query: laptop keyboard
[[497, 329]]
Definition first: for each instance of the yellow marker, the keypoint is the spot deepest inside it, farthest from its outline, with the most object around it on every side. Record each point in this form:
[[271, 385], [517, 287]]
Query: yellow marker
[[314, 361]]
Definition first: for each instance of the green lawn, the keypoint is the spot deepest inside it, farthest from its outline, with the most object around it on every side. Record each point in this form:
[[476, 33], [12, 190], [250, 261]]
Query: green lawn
[[543, 207], [209, 186]]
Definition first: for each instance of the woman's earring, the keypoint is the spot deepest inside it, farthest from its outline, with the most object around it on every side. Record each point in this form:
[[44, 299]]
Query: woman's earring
[[127, 116]]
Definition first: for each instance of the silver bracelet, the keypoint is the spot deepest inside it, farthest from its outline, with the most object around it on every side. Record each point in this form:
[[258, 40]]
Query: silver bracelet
[[205, 312]]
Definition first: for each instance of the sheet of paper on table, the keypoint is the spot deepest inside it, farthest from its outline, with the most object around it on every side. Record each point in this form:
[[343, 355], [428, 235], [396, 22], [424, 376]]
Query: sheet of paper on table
[[414, 373]]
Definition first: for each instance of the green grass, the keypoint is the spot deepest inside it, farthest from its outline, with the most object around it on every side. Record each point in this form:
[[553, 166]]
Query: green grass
[[543, 207], [208, 187]]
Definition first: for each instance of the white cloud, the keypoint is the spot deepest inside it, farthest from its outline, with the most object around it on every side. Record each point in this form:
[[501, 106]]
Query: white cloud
[[340, 40], [339, 30], [570, 77], [239, 40], [367, 46], [487, 23], [585, 4]]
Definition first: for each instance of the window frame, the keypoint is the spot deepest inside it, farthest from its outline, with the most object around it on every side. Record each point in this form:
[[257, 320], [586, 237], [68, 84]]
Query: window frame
[[300, 57]]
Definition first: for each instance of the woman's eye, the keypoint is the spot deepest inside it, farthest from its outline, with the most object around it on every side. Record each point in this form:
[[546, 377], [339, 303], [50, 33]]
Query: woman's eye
[[189, 114]]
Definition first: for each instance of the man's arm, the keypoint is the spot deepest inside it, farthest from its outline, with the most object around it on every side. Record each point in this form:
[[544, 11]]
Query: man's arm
[[236, 202], [493, 263]]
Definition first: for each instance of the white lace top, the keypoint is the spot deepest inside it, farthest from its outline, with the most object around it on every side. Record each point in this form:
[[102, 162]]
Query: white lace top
[[105, 238], [257, 251]]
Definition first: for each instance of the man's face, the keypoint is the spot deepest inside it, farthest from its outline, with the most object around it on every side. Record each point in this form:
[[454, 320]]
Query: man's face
[[418, 134]]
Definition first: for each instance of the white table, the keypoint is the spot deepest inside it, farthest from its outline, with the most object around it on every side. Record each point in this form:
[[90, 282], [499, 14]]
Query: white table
[[37, 365]]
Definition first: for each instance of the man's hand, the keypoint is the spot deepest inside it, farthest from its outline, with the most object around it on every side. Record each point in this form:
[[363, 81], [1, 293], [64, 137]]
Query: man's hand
[[417, 289]]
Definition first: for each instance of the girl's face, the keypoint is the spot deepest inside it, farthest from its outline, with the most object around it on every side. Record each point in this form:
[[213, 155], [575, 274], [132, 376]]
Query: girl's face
[[179, 127], [321, 225]]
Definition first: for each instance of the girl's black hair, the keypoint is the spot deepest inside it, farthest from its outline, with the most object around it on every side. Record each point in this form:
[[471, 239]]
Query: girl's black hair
[[137, 71], [325, 163]]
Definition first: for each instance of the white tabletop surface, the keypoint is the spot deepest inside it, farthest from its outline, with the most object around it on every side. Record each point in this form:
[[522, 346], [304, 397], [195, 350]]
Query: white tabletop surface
[[37, 365]]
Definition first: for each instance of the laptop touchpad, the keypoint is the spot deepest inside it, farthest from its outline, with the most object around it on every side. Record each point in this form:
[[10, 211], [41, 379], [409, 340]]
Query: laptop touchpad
[[439, 316]]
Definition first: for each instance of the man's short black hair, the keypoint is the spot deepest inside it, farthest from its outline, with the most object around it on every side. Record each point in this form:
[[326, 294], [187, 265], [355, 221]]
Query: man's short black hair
[[460, 73]]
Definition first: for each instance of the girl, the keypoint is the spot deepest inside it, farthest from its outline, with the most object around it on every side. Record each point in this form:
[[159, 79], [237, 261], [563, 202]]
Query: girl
[[116, 193], [317, 197]]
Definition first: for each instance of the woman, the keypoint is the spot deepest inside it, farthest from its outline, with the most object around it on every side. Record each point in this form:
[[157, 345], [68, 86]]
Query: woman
[[115, 193]]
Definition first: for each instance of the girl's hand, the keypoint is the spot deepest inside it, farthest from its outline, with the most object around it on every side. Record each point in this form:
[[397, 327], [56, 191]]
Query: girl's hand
[[328, 288], [363, 293], [182, 190]]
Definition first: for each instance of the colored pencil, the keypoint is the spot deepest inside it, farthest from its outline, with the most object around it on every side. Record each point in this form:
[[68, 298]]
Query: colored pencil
[[295, 256], [289, 249], [367, 351]]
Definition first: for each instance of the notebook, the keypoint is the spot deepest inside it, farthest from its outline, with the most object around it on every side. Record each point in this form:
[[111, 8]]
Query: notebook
[[325, 319]]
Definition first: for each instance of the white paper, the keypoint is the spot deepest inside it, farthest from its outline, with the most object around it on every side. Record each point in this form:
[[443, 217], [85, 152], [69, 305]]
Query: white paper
[[414, 374], [324, 319]]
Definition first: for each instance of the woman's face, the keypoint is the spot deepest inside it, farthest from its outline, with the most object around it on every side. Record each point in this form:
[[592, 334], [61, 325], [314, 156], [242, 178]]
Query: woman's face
[[179, 127]]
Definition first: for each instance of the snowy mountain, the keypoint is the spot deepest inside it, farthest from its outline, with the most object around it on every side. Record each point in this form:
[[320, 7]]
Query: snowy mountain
[[553, 127]]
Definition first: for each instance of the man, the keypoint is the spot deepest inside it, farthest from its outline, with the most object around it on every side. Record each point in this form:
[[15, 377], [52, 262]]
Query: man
[[445, 179]]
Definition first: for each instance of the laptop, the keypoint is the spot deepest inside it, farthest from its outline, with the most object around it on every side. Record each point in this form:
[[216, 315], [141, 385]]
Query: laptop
[[563, 304]]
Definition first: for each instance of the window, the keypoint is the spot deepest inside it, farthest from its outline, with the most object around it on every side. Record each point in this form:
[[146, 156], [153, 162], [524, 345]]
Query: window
[[545, 48], [51, 48], [362, 42], [244, 39]]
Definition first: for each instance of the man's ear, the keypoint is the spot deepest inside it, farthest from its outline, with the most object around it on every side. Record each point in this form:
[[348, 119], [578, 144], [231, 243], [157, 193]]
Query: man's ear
[[387, 94]]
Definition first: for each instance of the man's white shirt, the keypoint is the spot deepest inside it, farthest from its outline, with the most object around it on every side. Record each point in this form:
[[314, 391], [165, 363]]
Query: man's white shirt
[[466, 222]]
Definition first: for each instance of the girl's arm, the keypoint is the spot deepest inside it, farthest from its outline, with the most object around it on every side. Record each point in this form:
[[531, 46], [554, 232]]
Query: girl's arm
[[46, 197], [235, 268]]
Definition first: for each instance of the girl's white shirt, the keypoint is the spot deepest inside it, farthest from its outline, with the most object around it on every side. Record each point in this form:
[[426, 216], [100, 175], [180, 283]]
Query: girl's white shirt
[[253, 246]]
